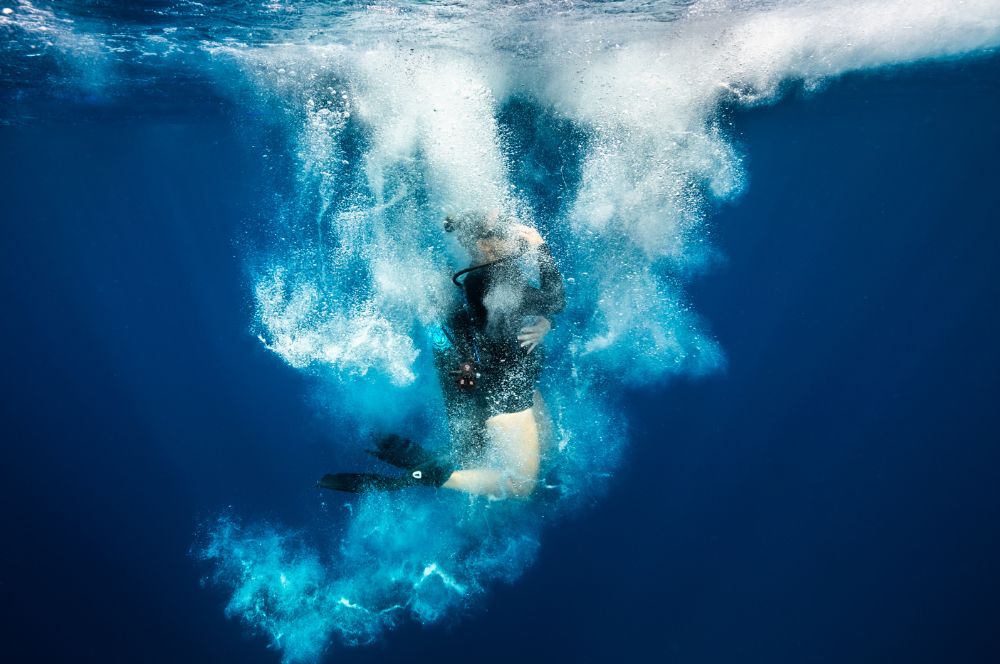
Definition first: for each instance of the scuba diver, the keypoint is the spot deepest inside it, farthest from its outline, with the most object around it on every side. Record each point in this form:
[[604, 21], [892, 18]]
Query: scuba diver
[[489, 362]]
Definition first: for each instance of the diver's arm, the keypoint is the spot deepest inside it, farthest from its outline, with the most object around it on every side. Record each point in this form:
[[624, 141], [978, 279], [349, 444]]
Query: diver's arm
[[550, 298]]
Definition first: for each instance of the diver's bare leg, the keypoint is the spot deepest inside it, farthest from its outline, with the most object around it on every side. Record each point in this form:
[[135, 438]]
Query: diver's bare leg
[[479, 481], [514, 439]]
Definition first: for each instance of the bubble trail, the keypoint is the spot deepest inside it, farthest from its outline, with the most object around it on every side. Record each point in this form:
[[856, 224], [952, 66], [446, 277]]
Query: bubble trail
[[641, 100]]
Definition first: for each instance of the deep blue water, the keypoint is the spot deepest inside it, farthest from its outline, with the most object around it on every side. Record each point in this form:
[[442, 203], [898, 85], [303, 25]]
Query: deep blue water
[[830, 496]]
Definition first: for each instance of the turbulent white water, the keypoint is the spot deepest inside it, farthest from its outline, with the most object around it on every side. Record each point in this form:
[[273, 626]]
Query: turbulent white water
[[397, 116]]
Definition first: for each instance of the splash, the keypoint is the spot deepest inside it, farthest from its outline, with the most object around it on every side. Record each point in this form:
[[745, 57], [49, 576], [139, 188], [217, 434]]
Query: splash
[[601, 123], [403, 559], [641, 101]]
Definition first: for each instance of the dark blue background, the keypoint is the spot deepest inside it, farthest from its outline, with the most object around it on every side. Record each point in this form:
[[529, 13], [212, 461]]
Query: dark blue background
[[831, 497]]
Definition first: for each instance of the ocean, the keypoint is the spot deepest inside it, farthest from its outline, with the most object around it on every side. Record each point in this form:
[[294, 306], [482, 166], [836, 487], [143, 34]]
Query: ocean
[[773, 390]]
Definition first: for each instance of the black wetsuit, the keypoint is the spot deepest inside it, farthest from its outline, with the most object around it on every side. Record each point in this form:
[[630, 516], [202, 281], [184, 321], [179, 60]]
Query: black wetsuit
[[500, 300]]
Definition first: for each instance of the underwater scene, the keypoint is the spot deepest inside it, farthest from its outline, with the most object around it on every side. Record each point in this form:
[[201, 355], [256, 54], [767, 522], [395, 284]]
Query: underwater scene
[[541, 330]]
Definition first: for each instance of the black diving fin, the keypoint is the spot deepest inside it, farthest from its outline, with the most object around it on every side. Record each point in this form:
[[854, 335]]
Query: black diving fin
[[423, 469], [363, 482], [400, 452]]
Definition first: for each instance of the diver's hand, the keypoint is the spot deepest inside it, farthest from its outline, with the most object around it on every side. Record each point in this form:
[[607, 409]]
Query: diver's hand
[[528, 236], [531, 335]]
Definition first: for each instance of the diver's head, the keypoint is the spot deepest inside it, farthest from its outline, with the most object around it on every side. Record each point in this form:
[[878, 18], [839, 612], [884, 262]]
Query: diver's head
[[481, 233]]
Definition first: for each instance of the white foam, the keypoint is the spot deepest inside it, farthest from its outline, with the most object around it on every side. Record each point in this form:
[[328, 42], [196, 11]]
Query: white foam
[[439, 108], [305, 332], [647, 94]]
